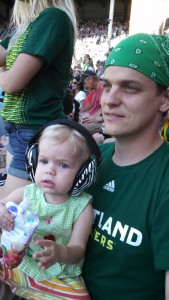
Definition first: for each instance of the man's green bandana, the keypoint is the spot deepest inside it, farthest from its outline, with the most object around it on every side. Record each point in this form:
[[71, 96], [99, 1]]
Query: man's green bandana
[[145, 53]]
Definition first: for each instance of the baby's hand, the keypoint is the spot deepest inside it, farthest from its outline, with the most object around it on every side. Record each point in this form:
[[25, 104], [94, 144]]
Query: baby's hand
[[6, 220], [50, 253]]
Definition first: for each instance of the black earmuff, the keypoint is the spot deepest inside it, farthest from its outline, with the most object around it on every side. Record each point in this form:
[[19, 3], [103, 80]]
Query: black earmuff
[[87, 173]]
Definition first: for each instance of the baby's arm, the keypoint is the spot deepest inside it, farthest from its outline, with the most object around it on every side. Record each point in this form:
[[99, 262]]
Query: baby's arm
[[6, 220], [75, 250]]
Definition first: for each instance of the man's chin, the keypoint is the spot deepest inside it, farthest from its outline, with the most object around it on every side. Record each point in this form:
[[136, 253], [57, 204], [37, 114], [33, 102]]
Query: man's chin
[[109, 130]]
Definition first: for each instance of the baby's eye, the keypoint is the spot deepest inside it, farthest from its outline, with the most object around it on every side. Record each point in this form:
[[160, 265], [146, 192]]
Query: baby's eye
[[43, 161], [63, 165]]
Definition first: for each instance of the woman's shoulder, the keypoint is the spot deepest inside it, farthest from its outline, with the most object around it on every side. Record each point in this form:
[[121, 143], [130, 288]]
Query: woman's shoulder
[[81, 95], [90, 68], [53, 11], [51, 15]]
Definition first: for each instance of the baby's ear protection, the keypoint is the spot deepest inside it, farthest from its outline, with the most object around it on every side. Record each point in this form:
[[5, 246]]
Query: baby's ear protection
[[87, 173]]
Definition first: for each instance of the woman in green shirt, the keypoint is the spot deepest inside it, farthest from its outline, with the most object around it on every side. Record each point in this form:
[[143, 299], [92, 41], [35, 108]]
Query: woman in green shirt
[[37, 57]]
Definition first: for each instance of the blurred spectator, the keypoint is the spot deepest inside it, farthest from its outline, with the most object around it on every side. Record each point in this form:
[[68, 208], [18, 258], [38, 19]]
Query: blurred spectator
[[92, 83], [90, 113], [77, 70], [71, 106], [78, 90], [85, 64]]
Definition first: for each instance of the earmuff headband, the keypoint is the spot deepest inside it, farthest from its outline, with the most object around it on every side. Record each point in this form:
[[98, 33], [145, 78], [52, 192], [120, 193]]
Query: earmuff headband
[[86, 174], [80, 128]]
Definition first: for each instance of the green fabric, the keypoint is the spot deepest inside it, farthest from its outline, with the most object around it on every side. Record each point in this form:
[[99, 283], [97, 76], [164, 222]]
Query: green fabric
[[56, 220], [145, 53], [127, 254], [41, 100]]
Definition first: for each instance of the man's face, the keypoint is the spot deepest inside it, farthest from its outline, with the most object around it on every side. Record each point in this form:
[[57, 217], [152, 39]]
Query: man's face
[[88, 83], [130, 104]]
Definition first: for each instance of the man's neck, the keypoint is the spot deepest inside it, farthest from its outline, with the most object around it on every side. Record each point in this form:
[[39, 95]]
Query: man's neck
[[128, 152]]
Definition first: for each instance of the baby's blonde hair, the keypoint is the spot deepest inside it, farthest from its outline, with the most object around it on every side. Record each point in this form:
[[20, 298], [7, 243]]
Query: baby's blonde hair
[[61, 133], [26, 11]]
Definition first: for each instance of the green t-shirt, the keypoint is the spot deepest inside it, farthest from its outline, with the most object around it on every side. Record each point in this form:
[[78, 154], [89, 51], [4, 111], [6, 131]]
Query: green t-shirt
[[50, 37], [128, 251]]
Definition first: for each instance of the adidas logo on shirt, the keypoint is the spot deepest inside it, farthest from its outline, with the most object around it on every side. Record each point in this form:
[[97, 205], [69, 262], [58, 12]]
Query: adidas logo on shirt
[[110, 186]]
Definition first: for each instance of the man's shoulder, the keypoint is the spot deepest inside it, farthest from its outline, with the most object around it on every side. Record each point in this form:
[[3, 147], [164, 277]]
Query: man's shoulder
[[107, 148], [164, 154], [165, 148]]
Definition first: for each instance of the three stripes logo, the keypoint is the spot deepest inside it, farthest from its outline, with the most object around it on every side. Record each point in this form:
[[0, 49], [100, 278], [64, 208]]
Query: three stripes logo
[[110, 186]]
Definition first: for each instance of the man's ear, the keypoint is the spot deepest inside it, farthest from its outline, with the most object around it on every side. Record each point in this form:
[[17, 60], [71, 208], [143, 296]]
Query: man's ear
[[164, 106]]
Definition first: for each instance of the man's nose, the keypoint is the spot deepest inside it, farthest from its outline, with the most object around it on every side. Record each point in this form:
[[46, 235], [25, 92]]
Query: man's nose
[[113, 97]]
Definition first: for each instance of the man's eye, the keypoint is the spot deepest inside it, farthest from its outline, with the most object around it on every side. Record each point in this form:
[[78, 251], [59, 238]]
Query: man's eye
[[106, 85], [131, 88]]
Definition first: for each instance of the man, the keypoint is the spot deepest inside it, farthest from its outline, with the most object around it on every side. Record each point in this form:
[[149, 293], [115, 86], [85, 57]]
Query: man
[[128, 251], [91, 111]]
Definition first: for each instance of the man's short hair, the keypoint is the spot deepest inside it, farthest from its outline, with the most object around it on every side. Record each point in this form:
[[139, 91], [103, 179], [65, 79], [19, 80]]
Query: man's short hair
[[85, 75]]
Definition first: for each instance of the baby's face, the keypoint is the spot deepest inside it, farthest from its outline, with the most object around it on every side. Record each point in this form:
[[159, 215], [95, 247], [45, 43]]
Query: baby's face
[[57, 167]]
